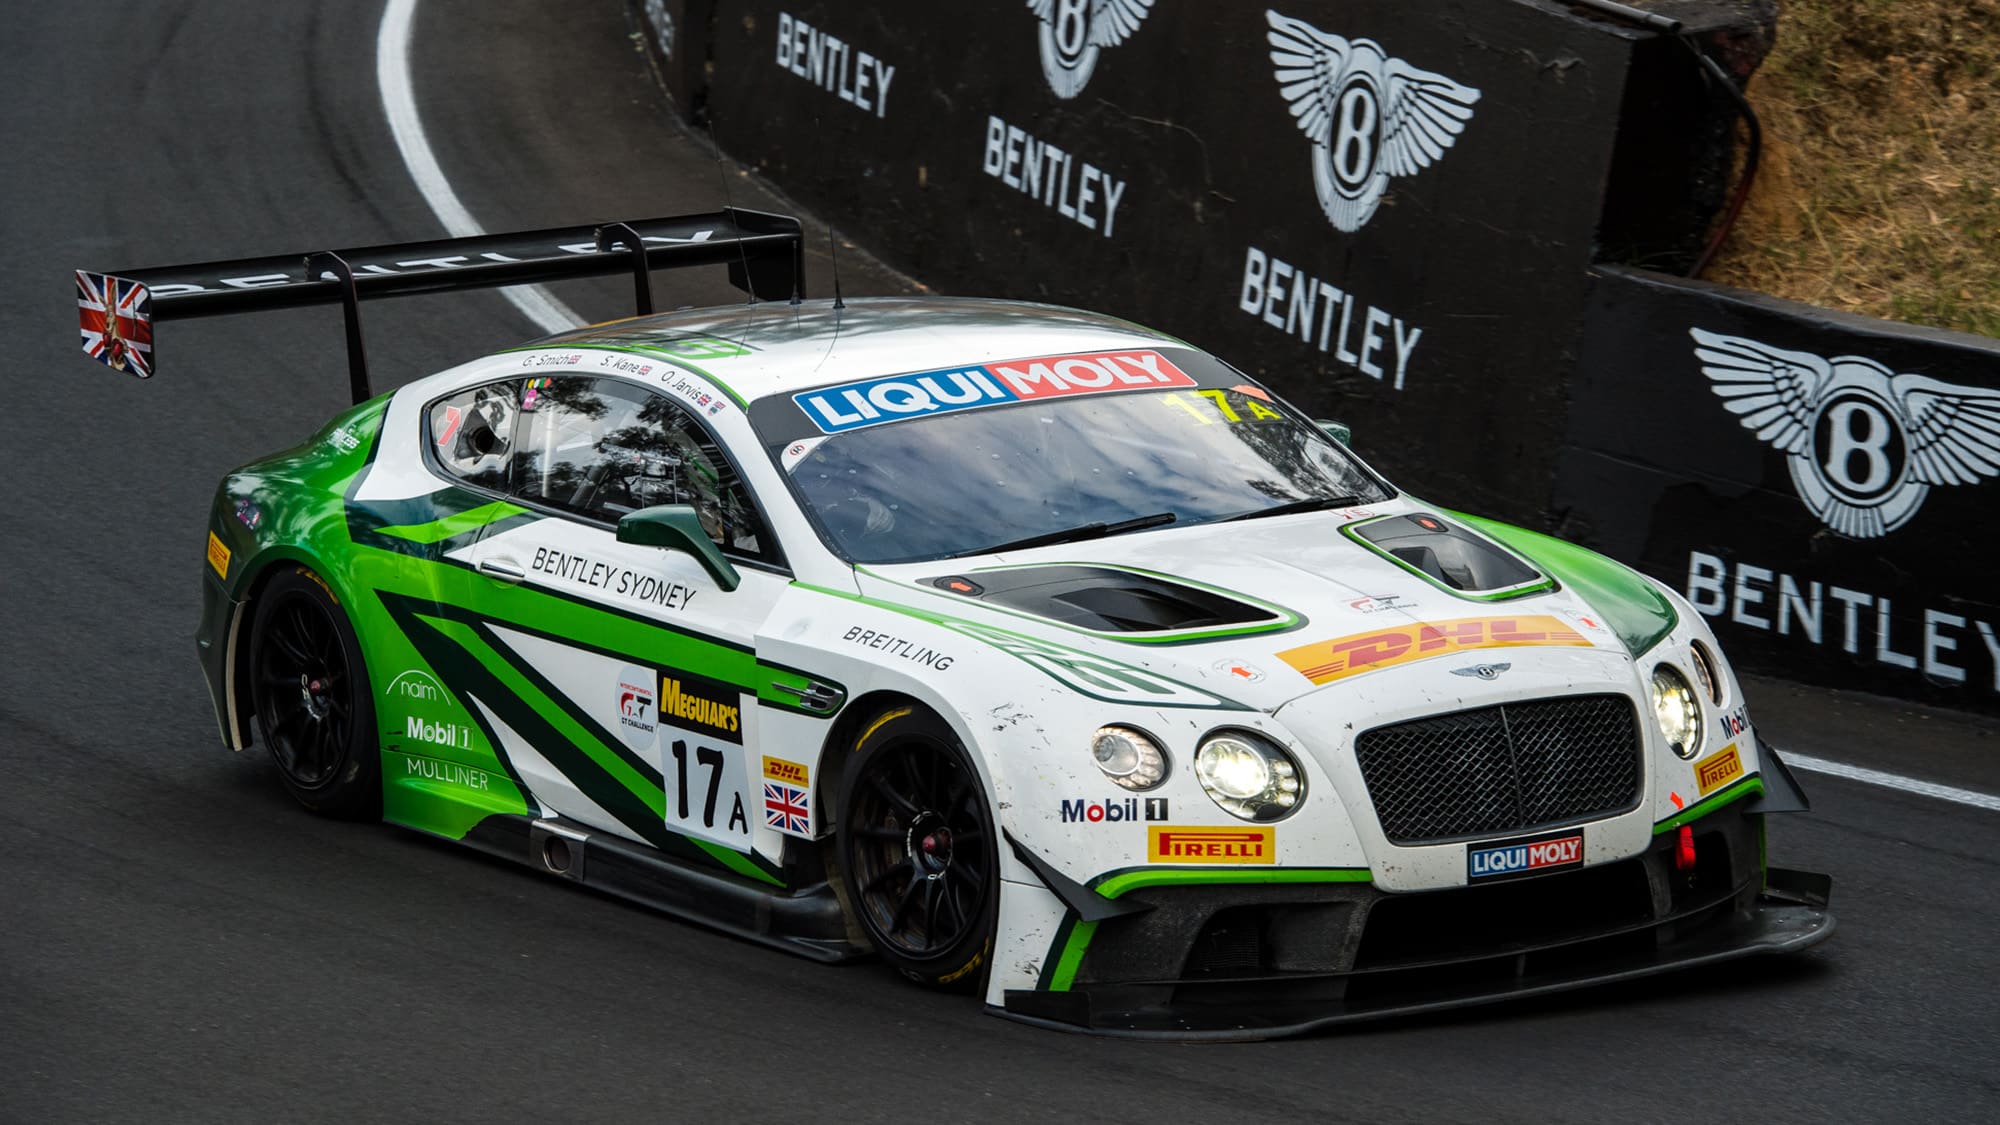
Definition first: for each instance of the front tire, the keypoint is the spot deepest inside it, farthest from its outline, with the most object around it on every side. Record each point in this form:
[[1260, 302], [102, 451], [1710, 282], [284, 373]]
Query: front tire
[[919, 849], [310, 692]]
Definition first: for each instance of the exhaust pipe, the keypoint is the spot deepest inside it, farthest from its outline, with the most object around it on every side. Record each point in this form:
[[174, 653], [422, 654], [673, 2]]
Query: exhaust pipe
[[558, 847]]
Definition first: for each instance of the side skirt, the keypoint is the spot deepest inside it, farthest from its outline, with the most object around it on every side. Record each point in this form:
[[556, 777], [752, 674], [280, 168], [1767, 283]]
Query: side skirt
[[807, 922]]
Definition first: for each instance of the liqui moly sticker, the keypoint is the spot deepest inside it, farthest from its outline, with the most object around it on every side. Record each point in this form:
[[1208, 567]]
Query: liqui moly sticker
[[873, 402], [1516, 858]]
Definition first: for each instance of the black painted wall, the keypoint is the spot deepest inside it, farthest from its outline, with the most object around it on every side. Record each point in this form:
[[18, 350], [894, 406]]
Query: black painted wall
[[1886, 583], [1178, 190]]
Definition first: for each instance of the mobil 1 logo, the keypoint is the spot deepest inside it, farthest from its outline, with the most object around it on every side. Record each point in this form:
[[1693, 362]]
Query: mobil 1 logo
[[1864, 445], [701, 736]]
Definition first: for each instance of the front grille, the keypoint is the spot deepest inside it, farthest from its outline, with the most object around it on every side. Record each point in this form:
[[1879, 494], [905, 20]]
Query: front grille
[[1503, 769]]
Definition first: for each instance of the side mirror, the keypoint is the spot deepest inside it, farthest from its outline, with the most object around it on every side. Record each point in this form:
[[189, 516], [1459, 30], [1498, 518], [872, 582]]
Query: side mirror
[[1337, 431], [676, 528]]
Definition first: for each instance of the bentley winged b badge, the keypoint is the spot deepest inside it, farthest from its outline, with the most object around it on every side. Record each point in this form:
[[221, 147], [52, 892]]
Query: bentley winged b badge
[[1864, 445], [1369, 116]]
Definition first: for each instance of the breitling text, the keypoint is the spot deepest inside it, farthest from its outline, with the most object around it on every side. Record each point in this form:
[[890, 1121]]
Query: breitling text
[[898, 646]]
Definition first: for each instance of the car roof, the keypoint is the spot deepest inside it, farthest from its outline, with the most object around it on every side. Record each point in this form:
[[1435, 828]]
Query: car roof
[[814, 343]]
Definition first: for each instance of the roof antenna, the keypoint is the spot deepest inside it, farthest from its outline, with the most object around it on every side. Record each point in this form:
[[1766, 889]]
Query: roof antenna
[[832, 253], [722, 173]]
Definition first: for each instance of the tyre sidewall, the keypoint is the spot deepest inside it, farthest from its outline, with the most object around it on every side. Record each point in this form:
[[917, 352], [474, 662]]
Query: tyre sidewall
[[963, 966], [354, 791]]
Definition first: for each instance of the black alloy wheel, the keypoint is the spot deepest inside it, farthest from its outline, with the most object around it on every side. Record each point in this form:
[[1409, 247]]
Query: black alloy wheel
[[311, 697], [919, 849]]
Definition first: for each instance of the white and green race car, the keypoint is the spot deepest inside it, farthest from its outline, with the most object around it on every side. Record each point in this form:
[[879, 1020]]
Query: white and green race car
[[1036, 652]]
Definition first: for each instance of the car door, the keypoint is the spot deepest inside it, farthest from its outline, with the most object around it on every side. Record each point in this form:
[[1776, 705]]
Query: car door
[[619, 678]]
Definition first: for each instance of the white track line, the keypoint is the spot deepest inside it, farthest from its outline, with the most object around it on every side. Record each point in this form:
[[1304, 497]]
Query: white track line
[[1894, 781], [392, 75]]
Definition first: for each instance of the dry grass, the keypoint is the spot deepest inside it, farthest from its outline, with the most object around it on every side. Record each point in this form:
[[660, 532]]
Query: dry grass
[[1880, 191]]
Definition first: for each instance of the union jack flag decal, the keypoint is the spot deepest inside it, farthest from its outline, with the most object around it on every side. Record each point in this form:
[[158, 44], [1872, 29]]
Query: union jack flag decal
[[116, 318], [788, 809]]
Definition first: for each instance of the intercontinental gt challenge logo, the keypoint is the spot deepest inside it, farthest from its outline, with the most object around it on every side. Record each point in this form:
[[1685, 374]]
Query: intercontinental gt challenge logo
[[1369, 116], [1073, 33], [1864, 445]]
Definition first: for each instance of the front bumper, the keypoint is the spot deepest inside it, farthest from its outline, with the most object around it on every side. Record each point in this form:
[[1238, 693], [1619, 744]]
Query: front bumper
[[1252, 962]]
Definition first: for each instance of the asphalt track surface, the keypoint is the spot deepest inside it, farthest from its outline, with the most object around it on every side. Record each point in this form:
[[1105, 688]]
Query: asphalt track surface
[[178, 942]]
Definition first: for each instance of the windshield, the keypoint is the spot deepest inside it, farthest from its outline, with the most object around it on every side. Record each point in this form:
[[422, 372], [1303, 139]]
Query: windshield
[[963, 480]]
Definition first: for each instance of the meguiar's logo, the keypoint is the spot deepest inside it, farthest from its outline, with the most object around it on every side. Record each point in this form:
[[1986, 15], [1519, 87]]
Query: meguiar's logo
[[1073, 33], [1369, 116], [697, 703], [1864, 445]]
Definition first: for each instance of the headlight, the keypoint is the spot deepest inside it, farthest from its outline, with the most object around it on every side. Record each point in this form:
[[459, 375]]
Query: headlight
[[1128, 758], [1677, 711], [1706, 671], [1248, 776]]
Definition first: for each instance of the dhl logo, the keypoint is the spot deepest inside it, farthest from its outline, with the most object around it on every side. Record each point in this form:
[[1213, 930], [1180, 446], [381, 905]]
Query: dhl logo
[[1327, 661], [1211, 845], [792, 773], [1718, 769]]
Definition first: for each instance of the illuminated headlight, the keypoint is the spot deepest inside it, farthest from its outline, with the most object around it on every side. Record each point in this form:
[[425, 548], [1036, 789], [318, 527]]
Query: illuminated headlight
[[1248, 776], [1677, 711], [1128, 757]]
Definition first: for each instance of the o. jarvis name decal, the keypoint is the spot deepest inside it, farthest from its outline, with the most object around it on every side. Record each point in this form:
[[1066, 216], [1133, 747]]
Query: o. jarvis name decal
[[875, 401]]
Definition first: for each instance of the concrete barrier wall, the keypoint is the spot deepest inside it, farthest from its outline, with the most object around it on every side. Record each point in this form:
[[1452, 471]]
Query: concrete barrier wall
[[1394, 230], [1820, 485], [1396, 211]]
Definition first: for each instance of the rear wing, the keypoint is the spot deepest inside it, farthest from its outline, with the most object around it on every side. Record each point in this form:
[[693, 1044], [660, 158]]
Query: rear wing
[[765, 254]]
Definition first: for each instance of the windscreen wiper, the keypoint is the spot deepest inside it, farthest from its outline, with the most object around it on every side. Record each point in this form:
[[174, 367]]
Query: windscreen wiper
[[1309, 504], [1075, 534]]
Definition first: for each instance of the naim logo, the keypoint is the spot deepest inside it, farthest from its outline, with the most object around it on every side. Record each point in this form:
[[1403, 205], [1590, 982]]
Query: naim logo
[[1864, 445], [418, 685], [1074, 31], [1369, 116]]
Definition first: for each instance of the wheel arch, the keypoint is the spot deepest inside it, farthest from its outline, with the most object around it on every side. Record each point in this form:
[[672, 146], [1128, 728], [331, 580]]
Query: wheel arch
[[236, 701]]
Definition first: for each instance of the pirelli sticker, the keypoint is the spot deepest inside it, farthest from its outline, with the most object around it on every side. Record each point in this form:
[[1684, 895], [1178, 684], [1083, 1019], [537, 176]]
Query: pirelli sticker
[[218, 556], [1718, 769], [1327, 661], [1168, 844], [697, 703]]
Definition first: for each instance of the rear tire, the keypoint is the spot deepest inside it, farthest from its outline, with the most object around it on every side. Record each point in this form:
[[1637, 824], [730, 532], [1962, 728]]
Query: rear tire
[[919, 850], [309, 689]]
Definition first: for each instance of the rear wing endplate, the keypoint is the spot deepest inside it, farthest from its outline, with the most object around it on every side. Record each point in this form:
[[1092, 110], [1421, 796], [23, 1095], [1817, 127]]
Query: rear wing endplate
[[765, 254]]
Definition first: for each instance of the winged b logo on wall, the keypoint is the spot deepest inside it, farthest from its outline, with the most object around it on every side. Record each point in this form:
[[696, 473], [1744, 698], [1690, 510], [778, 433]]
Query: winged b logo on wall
[[1864, 445], [1369, 116], [1075, 31]]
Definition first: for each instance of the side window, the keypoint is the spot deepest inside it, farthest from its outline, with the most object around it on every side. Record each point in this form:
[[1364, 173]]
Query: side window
[[602, 448], [471, 431]]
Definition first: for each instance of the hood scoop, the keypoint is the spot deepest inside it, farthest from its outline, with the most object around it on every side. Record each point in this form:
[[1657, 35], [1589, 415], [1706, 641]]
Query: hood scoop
[[1450, 555], [1106, 599]]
